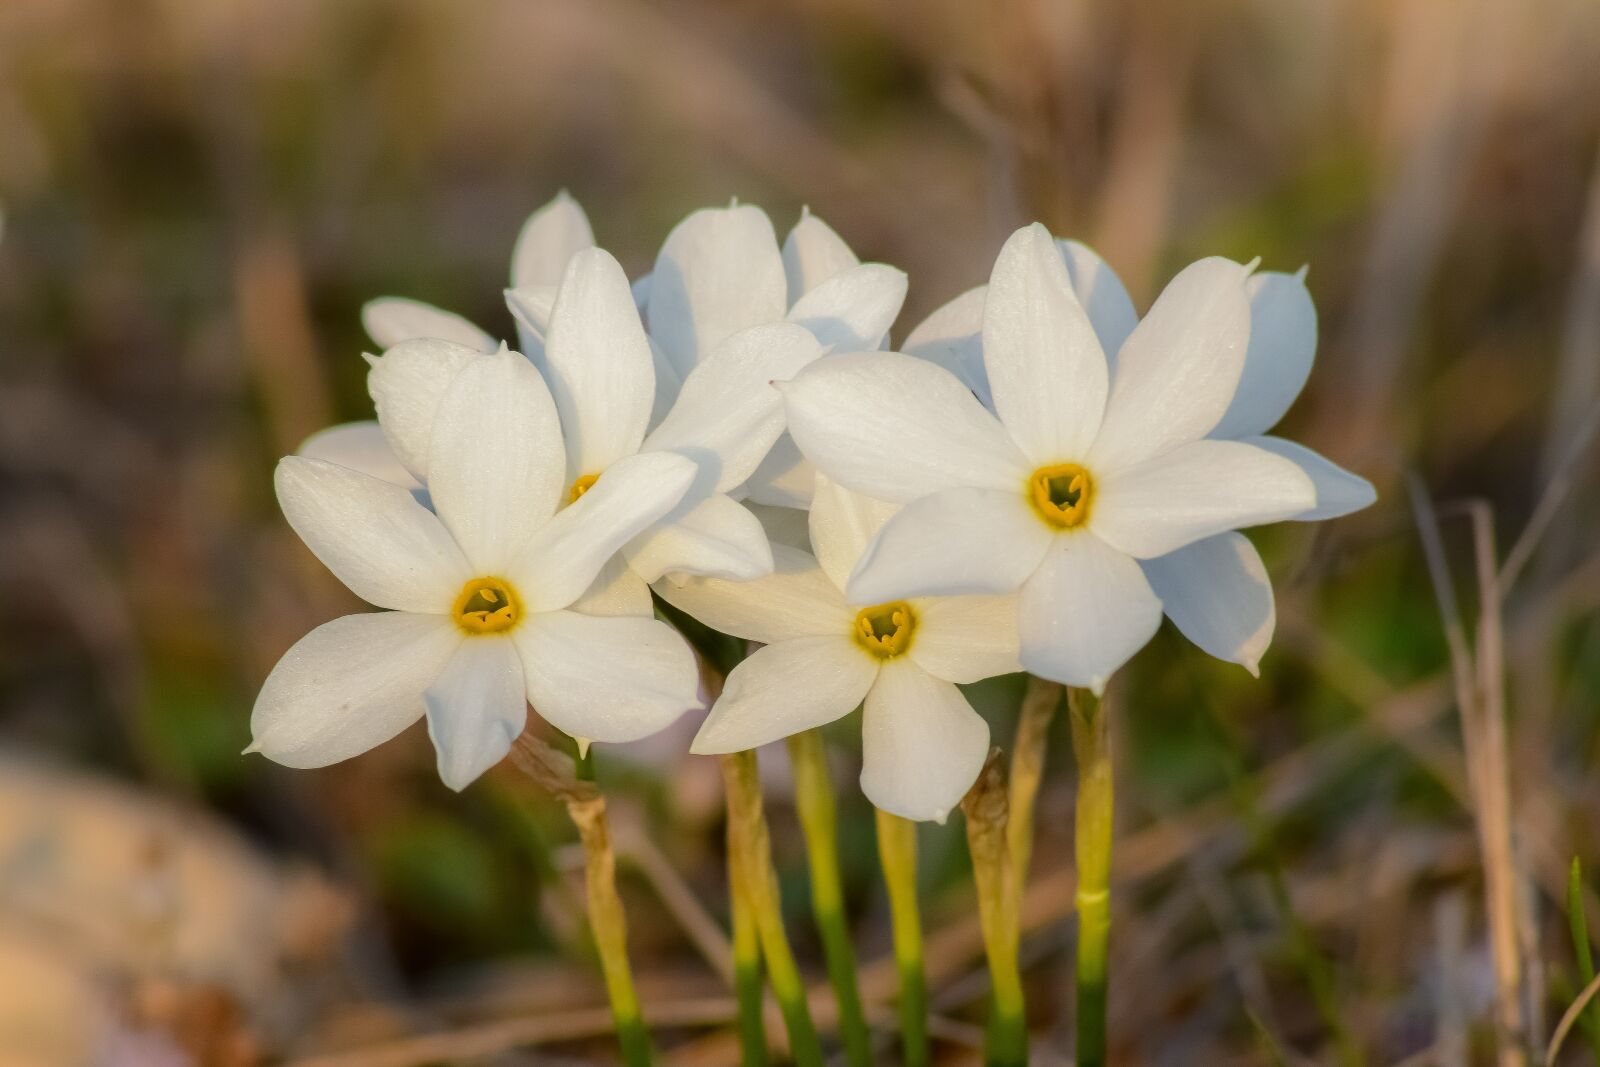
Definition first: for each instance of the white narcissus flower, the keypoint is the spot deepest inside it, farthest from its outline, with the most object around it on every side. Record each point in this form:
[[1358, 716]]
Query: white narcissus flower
[[1216, 591], [597, 361], [479, 591], [1078, 473], [721, 271], [824, 655]]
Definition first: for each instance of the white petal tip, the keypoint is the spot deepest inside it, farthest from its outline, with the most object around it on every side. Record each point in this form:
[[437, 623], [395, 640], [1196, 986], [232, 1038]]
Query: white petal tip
[[1250, 267], [704, 746], [1300, 275], [940, 816], [372, 360], [1253, 666], [251, 749], [583, 746], [1097, 686]]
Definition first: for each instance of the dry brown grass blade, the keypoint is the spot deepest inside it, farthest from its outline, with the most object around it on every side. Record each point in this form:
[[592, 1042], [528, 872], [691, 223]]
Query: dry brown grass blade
[[470, 1043], [1569, 1020], [1480, 688]]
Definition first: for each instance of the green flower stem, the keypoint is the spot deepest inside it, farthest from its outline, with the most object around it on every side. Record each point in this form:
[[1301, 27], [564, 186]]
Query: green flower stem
[[985, 806], [813, 793], [746, 966], [1039, 703], [559, 774], [610, 927], [897, 851], [1091, 745], [747, 830]]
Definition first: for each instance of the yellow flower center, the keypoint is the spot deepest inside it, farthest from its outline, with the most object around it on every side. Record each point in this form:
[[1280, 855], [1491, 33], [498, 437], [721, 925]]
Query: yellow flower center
[[487, 606], [885, 630], [581, 486], [1061, 494]]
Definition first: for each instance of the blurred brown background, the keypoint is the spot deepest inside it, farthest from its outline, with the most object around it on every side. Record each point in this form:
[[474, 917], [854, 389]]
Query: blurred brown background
[[198, 195]]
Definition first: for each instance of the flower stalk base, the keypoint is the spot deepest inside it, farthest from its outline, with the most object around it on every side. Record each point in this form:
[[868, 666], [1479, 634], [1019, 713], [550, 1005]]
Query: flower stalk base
[[813, 793], [556, 772], [897, 852], [751, 849], [1091, 746]]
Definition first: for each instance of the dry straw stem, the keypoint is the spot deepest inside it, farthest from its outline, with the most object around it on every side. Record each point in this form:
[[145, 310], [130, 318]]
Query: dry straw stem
[[1039, 703], [1480, 688], [985, 807]]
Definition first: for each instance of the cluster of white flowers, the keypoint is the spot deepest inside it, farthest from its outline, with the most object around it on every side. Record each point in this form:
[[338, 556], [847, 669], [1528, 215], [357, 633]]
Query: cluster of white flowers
[[1029, 484]]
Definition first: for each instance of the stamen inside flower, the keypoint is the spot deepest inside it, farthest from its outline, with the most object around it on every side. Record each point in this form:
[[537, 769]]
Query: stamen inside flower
[[885, 629], [1061, 494], [581, 486], [487, 606]]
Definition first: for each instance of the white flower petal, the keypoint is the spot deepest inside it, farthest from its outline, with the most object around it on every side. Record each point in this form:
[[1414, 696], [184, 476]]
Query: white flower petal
[[616, 590], [1046, 371], [842, 525], [922, 745], [390, 320], [1085, 612], [476, 708], [496, 465], [361, 446], [718, 272], [668, 384], [1338, 491], [898, 428], [954, 543], [727, 414], [606, 679], [562, 558], [598, 364], [813, 253], [373, 535], [966, 638], [1283, 343], [349, 685], [784, 525], [715, 536], [548, 241], [406, 383], [1102, 295], [795, 600], [532, 306], [952, 337], [784, 689], [1194, 491], [1177, 372], [784, 479], [853, 310], [641, 292], [1217, 592]]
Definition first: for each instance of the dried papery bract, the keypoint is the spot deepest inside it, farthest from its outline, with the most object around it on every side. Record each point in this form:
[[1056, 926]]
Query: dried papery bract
[[557, 773], [986, 809], [1039, 704]]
